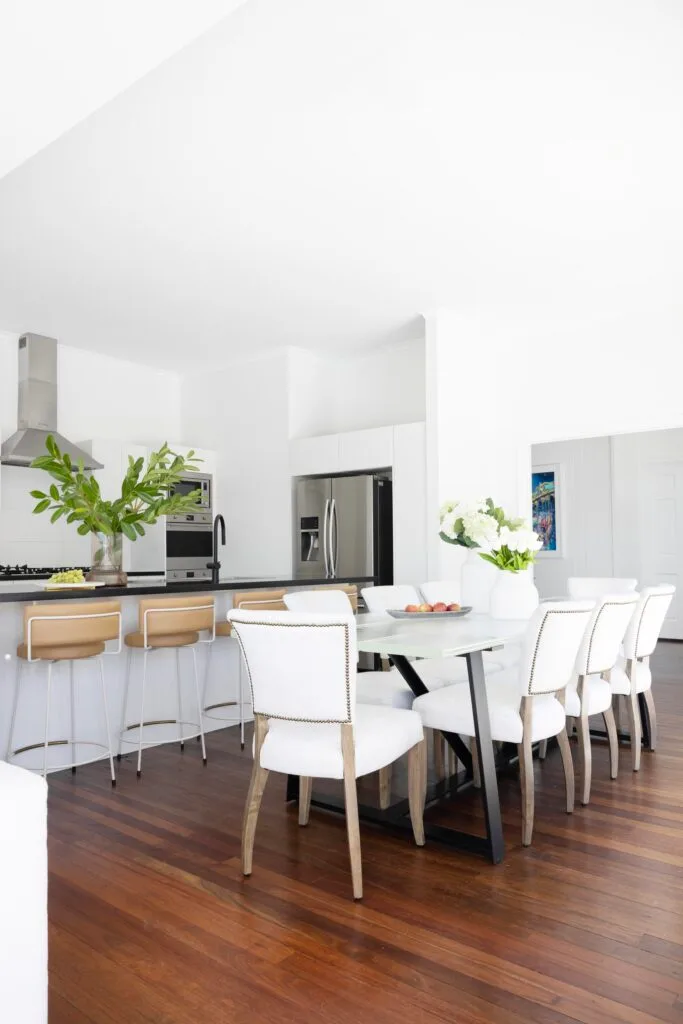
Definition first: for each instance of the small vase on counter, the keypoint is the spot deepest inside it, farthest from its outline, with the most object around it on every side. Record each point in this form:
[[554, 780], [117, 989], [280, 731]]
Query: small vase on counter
[[513, 596], [107, 559]]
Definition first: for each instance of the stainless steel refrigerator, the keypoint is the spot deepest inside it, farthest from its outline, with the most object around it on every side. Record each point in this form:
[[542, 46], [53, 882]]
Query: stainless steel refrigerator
[[343, 527]]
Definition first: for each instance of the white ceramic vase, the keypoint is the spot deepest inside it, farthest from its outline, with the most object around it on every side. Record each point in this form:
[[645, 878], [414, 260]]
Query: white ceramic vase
[[477, 579], [513, 596]]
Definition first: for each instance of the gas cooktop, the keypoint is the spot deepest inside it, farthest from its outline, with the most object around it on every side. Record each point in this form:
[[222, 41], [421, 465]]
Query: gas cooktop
[[31, 572]]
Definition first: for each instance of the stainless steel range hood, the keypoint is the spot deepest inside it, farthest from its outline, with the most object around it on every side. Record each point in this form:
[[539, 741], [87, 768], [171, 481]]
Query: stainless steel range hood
[[37, 410]]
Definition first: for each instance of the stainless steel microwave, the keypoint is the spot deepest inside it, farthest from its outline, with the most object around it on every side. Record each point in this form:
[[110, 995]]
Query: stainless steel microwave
[[201, 482]]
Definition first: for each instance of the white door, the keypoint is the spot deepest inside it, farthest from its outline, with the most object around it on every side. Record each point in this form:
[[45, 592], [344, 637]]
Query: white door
[[661, 535]]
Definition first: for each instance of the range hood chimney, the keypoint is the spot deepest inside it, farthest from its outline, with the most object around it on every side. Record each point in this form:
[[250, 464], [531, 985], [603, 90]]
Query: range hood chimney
[[37, 409]]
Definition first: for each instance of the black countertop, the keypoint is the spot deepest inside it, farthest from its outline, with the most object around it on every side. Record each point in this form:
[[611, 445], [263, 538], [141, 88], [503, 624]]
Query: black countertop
[[140, 587]]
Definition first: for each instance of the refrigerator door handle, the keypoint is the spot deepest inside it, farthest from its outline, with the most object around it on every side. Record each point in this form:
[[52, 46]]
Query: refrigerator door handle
[[326, 545], [334, 546]]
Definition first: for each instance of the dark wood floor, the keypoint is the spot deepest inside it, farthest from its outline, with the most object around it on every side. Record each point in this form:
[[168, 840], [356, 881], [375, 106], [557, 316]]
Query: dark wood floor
[[151, 921]]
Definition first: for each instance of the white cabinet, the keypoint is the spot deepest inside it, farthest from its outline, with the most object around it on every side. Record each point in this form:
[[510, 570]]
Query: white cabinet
[[366, 449], [309, 455], [342, 453]]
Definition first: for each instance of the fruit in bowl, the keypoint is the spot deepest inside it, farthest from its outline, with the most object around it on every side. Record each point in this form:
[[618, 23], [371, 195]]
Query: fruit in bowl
[[440, 607], [455, 607], [411, 608], [426, 608]]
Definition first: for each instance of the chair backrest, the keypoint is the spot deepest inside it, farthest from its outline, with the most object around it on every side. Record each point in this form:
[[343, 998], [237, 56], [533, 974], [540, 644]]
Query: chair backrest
[[167, 616], [648, 618], [582, 587], [260, 600], [302, 667], [378, 599], [605, 632], [329, 601], [551, 644], [71, 623], [447, 591]]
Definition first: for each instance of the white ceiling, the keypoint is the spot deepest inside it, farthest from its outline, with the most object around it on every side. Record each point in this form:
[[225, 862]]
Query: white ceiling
[[319, 173], [60, 61]]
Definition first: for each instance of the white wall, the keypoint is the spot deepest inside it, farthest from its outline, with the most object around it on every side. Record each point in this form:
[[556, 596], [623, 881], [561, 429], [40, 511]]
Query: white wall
[[98, 397], [585, 512], [242, 412], [330, 395], [598, 379]]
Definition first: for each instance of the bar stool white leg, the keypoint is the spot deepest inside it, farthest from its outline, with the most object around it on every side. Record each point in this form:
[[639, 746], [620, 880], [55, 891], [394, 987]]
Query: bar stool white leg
[[72, 718], [180, 700], [106, 721], [207, 676], [47, 717], [124, 709], [15, 703], [199, 703], [241, 699], [142, 710]]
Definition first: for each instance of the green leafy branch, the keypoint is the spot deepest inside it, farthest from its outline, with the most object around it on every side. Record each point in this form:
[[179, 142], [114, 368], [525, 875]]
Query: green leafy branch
[[145, 492], [512, 561]]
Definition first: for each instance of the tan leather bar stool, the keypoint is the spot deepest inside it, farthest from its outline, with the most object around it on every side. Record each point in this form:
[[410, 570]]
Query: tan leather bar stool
[[168, 623], [66, 632], [266, 600]]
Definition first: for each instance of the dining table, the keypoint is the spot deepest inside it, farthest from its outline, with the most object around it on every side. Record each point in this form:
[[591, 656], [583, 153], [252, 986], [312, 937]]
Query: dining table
[[406, 641]]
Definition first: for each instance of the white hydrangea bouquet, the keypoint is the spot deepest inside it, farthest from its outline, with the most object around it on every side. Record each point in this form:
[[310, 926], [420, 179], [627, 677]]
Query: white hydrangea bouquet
[[472, 524], [514, 549]]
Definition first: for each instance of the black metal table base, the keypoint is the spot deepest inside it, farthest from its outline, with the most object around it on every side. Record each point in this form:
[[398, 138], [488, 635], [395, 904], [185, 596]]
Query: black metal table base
[[396, 817]]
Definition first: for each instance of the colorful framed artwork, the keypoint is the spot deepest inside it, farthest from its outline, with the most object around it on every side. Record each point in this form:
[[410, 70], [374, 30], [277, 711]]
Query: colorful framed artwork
[[545, 506]]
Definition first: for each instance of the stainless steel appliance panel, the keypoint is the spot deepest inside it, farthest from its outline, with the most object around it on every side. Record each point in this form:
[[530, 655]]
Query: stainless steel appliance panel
[[351, 530], [189, 549], [202, 482], [312, 510]]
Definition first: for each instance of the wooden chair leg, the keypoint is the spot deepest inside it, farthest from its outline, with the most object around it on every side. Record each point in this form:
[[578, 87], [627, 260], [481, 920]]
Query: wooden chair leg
[[585, 757], [652, 715], [611, 727], [526, 779], [417, 789], [476, 773], [385, 787], [259, 777], [305, 792], [636, 729], [568, 765], [542, 750], [439, 766], [570, 726], [351, 803], [452, 760]]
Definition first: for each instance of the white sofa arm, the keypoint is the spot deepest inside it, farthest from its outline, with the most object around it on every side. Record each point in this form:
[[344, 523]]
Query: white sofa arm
[[23, 896]]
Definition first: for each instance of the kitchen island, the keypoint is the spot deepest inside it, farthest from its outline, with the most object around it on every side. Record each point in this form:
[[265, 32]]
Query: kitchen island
[[222, 684]]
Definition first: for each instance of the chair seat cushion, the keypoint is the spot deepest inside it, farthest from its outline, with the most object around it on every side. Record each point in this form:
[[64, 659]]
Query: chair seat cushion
[[172, 640], [381, 736], [621, 683], [62, 653], [450, 710], [438, 672], [597, 693], [386, 689]]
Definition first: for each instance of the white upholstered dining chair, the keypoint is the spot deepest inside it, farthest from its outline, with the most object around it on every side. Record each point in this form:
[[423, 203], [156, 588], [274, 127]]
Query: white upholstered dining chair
[[581, 588], [386, 689], [302, 672], [525, 705], [632, 674], [589, 692]]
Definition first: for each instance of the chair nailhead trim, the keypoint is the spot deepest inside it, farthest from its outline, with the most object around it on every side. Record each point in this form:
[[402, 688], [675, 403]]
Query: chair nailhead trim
[[553, 611], [293, 625], [607, 604]]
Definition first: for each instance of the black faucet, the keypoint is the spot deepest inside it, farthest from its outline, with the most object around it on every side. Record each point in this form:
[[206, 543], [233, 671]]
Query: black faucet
[[215, 566]]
